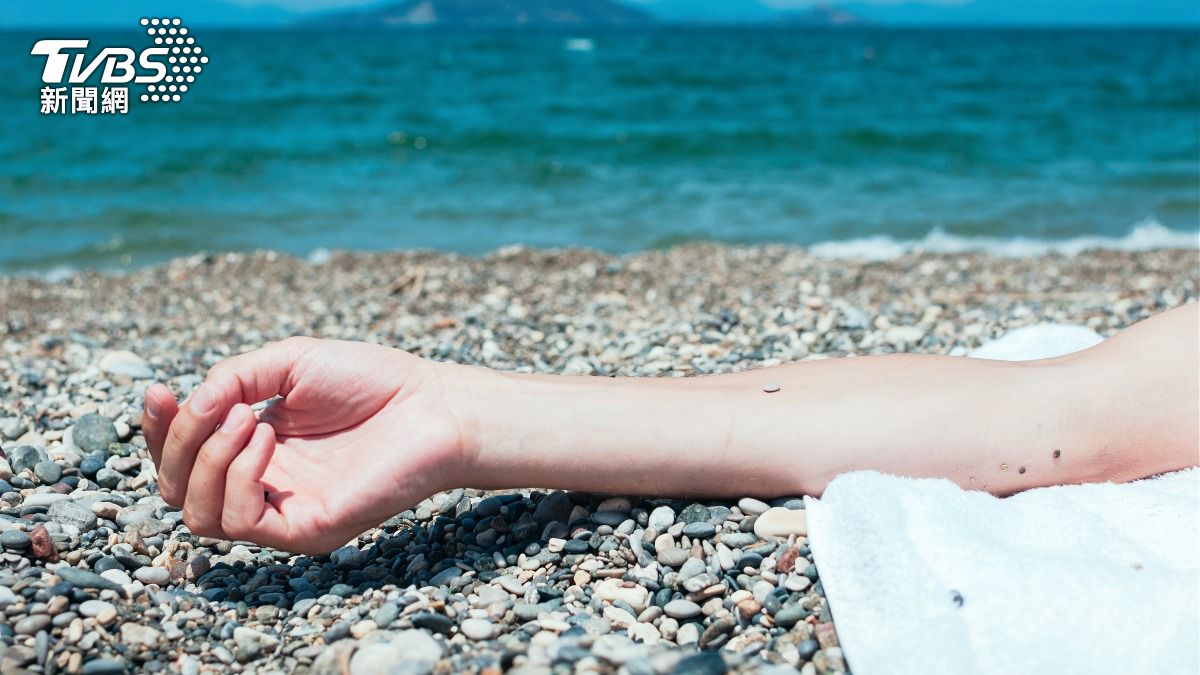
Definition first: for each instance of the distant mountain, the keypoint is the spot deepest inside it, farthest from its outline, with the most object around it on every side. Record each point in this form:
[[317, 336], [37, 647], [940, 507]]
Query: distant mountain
[[125, 13], [484, 13]]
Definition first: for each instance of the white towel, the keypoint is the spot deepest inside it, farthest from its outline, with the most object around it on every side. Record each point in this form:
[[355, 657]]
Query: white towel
[[1099, 578]]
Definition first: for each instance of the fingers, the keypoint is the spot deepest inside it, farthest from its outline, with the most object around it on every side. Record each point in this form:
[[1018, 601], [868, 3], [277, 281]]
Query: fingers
[[261, 374], [247, 378], [247, 515], [158, 413], [193, 424], [205, 496]]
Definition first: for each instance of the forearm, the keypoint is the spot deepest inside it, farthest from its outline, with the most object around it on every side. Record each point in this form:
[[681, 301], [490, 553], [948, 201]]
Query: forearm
[[1125, 409], [976, 422]]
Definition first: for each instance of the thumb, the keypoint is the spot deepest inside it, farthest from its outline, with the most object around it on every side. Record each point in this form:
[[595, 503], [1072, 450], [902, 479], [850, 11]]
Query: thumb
[[260, 374]]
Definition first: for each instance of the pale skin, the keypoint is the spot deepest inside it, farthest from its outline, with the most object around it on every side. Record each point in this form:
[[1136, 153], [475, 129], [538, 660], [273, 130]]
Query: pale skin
[[362, 432]]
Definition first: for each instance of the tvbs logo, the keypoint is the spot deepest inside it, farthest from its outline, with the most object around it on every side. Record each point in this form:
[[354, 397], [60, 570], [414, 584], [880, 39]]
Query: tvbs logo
[[167, 69]]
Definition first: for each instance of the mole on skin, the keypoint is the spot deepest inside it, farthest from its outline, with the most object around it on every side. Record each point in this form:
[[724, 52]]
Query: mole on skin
[[1057, 454]]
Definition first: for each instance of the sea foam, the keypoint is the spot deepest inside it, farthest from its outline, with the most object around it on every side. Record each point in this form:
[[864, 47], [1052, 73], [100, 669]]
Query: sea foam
[[1146, 235]]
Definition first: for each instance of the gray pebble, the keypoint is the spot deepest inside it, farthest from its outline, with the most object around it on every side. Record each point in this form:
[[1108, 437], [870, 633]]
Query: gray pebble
[[94, 433], [31, 624], [681, 609], [47, 472], [14, 539]]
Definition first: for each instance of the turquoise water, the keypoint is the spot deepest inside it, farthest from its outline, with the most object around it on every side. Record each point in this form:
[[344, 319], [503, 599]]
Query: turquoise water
[[620, 141]]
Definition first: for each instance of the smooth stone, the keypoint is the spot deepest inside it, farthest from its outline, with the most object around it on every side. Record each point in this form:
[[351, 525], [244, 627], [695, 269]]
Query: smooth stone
[[94, 433], [126, 363], [32, 624], [692, 567], [103, 667], [751, 506], [554, 506], [48, 472], [617, 649], [386, 614], [699, 530], [45, 499], [673, 556], [25, 457], [71, 513], [152, 575], [81, 578], [808, 648], [14, 539], [737, 539], [661, 518], [117, 576], [137, 634], [488, 506], [781, 522], [108, 479], [90, 465], [446, 577], [695, 513], [93, 608], [688, 634], [790, 615], [610, 518], [620, 504], [430, 621], [703, 663], [681, 609], [131, 515], [612, 590], [477, 629]]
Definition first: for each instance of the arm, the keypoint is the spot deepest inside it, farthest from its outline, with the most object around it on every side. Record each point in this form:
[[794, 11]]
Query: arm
[[363, 432], [990, 425]]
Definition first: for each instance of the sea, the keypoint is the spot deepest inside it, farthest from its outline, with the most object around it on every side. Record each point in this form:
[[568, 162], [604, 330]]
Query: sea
[[866, 142]]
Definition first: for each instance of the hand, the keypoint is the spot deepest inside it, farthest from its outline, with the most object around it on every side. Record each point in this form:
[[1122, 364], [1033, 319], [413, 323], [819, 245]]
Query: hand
[[361, 433]]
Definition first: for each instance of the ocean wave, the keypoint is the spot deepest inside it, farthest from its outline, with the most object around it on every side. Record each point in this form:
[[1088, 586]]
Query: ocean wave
[[1145, 236]]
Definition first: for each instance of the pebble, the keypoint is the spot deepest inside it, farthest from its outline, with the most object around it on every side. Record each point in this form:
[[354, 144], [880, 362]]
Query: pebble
[[70, 513], [94, 433], [81, 578], [14, 539], [25, 457], [31, 624], [790, 615], [751, 506], [700, 530], [770, 388], [661, 518], [781, 522], [152, 575], [477, 629], [48, 472], [126, 363], [614, 590], [672, 557], [681, 609]]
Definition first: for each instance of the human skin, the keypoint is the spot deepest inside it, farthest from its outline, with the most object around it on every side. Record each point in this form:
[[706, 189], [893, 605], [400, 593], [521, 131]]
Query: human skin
[[362, 432]]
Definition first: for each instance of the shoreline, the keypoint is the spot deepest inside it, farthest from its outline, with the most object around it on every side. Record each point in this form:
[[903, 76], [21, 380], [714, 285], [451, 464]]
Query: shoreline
[[1145, 235], [587, 576]]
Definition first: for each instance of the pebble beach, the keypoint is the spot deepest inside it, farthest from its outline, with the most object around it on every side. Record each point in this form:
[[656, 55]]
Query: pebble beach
[[99, 575]]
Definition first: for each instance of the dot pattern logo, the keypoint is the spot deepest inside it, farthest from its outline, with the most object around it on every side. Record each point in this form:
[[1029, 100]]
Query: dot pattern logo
[[185, 61]]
